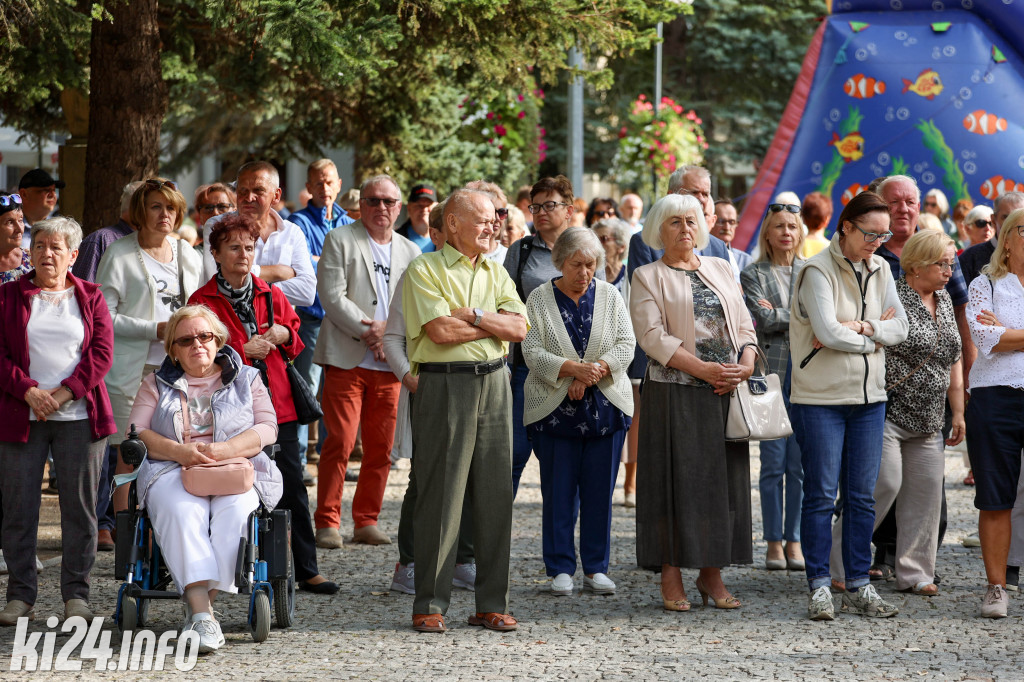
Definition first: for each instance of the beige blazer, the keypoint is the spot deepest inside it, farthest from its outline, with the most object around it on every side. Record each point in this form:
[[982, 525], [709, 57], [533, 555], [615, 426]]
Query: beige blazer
[[348, 291]]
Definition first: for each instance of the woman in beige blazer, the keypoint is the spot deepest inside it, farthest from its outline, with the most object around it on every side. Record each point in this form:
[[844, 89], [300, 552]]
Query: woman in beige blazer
[[693, 488]]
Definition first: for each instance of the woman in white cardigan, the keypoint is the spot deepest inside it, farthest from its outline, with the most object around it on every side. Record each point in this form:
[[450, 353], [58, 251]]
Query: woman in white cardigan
[[579, 405], [142, 277]]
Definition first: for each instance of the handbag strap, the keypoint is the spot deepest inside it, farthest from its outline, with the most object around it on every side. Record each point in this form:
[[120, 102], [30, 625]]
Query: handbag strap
[[759, 357], [186, 419]]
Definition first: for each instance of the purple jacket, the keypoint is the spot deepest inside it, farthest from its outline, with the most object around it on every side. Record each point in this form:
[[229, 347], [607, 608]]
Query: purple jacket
[[86, 380]]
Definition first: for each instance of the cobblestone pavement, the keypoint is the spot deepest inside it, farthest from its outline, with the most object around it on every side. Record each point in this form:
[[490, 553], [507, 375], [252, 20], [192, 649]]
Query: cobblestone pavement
[[364, 631]]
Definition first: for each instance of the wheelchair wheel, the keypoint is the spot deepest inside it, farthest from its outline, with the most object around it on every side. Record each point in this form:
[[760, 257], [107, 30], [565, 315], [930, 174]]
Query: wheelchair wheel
[[259, 624], [129, 619], [284, 597]]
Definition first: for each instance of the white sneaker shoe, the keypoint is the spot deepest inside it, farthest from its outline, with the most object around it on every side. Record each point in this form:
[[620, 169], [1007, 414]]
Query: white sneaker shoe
[[820, 606], [404, 579], [971, 540], [562, 585], [465, 576], [39, 565], [210, 636], [599, 584]]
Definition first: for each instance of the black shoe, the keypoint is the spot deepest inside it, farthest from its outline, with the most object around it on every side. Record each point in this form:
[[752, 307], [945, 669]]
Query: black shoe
[[351, 476], [936, 579], [326, 587], [1012, 577]]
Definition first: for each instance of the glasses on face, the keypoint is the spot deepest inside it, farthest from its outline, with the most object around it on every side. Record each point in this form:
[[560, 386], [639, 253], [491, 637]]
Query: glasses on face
[[983, 224], [607, 213], [792, 208], [728, 223], [374, 202], [606, 238], [10, 200], [869, 237], [944, 267], [930, 204], [502, 213], [1020, 230], [186, 341], [156, 184], [546, 207], [220, 208]]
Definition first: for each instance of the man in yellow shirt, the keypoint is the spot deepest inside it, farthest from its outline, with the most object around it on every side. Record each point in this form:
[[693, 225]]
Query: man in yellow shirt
[[461, 311]]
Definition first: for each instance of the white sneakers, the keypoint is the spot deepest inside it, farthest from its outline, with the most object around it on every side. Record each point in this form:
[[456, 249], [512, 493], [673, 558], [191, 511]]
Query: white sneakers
[[562, 585], [599, 584], [210, 636]]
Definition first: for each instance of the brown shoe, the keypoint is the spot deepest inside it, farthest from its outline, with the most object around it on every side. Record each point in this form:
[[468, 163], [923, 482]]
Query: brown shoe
[[494, 621], [104, 541], [428, 622], [370, 535], [329, 538]]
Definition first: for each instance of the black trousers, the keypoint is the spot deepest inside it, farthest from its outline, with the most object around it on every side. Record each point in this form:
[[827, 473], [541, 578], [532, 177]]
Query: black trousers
[[294, 498]]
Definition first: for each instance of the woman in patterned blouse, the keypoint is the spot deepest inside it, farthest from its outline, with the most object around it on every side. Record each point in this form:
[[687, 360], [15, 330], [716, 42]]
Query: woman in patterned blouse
[[14, 262], [919, 374], [579, 404]]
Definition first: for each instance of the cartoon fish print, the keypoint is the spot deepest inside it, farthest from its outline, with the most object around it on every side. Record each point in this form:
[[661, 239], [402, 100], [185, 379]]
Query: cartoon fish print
[[863, 87], [997, 185], [852, 191], [851, 147], [984, 123], [927, 85]]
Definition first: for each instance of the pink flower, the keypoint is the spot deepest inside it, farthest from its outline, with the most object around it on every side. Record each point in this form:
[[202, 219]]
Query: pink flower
[[500, 130], [490, 115], [542, 146], [690, 115], [501, 146], [678, 109], [520, 97], [490, 140], [697, 121], [543, 131], [622, 132], [642, 97], [521, 114]]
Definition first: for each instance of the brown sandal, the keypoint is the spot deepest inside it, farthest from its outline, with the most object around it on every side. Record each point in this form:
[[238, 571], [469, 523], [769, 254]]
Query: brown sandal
[[428, 622], [494, 621]]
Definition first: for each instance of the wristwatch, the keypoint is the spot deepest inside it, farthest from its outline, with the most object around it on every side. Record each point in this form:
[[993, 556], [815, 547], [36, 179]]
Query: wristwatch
[[479, 312]]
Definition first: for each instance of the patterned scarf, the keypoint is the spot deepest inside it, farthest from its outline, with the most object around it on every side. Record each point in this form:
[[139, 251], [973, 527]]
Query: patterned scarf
[[241, 301]]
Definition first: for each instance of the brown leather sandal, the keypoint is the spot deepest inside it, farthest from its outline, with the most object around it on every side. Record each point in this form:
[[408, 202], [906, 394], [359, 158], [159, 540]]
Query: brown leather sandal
[[494, 621], [428, 622]]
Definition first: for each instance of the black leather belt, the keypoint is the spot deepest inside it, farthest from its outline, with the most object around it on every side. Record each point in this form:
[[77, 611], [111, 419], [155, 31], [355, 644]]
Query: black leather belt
[[463, 367]]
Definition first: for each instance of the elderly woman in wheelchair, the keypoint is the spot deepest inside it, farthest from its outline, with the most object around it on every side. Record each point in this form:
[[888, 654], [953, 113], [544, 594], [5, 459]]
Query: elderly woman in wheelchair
[[202, 407]]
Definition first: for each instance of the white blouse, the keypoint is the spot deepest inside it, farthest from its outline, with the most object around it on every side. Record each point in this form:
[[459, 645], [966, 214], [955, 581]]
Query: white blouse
[[993, 368], [55, 337]]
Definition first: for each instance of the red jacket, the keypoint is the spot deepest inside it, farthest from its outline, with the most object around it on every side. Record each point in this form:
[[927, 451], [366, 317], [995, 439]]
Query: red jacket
[[87, 379], [284, 314]]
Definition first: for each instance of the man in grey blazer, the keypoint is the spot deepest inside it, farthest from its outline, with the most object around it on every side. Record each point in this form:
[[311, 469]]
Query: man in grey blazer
[[357, 267]]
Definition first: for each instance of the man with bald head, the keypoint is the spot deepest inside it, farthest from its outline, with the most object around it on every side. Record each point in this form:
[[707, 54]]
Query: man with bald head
[[461, 312], [631, 209]]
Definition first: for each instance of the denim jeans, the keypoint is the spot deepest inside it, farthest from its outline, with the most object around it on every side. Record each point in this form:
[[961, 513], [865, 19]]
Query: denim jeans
[[842, 447], [780, 464], [521, 446], [309, 331]]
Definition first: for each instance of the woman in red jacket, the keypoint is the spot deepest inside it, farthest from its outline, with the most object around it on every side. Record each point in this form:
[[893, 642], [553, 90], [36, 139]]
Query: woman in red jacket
[[56, 345], [244, 303]]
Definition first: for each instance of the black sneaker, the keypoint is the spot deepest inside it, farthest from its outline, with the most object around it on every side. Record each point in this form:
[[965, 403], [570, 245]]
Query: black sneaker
[[1012, 578]]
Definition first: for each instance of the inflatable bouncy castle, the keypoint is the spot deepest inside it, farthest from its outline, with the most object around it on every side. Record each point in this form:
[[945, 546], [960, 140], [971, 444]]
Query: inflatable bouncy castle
[[928, 88]]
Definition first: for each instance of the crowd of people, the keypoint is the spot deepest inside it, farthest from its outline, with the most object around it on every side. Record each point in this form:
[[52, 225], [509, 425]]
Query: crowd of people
[[482, 331]]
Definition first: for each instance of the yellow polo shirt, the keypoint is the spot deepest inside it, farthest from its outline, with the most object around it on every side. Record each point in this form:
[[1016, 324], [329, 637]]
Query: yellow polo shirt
[[437, 283]]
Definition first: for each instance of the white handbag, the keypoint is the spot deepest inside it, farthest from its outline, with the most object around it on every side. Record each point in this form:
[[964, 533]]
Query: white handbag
[[756, 408]]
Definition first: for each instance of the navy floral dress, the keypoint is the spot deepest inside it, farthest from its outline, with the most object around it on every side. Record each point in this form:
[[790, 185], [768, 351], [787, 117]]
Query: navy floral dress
[[594, 416]]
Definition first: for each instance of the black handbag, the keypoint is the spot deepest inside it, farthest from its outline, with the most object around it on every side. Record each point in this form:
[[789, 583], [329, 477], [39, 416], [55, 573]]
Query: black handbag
[[307, 407]]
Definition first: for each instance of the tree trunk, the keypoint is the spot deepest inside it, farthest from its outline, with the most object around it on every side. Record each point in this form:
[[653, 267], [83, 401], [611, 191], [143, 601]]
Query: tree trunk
[[127, 104]]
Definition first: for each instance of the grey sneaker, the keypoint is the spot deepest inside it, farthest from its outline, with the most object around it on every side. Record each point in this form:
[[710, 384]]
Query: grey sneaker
[[465, 576], [972, 540], [866, 602], [996, 601], [210, 636], [820, 606], [405, 579]]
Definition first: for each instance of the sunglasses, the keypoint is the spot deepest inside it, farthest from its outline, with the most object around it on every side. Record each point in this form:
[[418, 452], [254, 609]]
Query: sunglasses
[[10, 200], [374, 202], [775, 208], [607, 213], [157, 184], [502, 213], [186, 341], [982, 224]]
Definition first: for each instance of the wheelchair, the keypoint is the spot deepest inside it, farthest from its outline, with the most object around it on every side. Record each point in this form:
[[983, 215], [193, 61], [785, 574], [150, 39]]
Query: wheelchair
[[263, 569]]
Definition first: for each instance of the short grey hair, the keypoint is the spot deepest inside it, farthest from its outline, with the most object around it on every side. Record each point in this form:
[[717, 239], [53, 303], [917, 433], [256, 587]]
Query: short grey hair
[[261, 167], [941, 201], [574, 240], [377, 179], [675, 181], [893, 179], [60, 226], [979, 212], [619, 227], [126, 194], [670, 206], [1016, 197]]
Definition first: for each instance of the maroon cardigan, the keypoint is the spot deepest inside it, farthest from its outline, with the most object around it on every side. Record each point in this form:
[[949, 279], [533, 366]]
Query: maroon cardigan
[[87, 379]]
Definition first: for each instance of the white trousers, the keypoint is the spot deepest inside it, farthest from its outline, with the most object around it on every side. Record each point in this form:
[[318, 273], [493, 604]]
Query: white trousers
[[198, 536]]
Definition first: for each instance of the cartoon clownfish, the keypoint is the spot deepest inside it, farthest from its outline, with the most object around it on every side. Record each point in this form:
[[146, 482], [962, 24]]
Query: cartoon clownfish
[[928, 84], [851, 147]]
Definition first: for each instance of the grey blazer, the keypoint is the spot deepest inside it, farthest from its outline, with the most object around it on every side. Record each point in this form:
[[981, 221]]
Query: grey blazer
[[772, 326], [348, 291]]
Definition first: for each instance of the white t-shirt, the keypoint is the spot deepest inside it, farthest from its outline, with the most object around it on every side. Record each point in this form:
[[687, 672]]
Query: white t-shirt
[[381, 254], [165, 276], [55, 337]]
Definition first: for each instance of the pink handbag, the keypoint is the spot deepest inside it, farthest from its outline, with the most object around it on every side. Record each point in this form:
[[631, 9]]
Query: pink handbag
[[232, 476]]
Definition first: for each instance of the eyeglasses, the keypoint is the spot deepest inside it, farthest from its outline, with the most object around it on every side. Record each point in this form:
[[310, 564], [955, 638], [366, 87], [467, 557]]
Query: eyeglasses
[[982, 224], [869, 237], [606, 238], [186, 341], [223, 208], [10, 200], [930, 204], [377, 201], [1020, 230], [792, 208], [728, 223], [944, 267], [607, 213], [546, 207], [156, 184], [502, 213]]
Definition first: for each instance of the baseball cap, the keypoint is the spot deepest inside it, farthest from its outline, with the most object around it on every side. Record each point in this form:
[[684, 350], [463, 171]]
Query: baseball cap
[[37, 177], [422, 191]]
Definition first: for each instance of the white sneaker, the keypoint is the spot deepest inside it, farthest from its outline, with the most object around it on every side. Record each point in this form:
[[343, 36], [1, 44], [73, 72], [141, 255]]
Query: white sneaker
[[562, 585], [39, 565], [820, 606], [629, 500], [465, 576], [599, 584], [404, 579], [210, 636], [971, 540]]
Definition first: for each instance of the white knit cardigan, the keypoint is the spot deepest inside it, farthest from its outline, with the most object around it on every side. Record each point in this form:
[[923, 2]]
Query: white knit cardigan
[[547, 346]]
